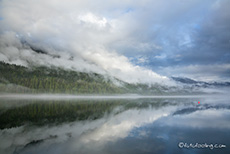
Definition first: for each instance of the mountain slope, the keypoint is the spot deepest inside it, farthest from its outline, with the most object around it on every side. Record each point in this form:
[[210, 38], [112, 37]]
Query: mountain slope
[[54, 80], [19, 79]]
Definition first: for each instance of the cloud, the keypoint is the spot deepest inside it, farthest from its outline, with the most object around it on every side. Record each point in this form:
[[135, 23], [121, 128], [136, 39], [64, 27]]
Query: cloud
[[72, 30], [188, 33], [13, 51], [79, 135], [122, 124], [209, 72], [104, 36], [198, 119]]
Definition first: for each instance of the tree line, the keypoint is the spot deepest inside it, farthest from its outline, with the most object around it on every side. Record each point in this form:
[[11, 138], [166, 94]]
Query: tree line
[[55, 80]]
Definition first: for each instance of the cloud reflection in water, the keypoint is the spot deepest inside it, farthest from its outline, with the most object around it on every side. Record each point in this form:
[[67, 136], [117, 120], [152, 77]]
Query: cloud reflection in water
[[150, 129]]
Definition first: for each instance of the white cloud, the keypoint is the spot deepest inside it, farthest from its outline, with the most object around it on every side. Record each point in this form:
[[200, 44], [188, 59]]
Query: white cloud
[[198, 119], [83, 133], [68, 29], [103, 35], [162, 56], [123, 123], [92, 19], [200, 72]]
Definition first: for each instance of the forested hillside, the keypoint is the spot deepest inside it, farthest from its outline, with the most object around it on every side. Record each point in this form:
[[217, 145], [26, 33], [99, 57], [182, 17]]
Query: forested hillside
[[19, 79], [53, 80]]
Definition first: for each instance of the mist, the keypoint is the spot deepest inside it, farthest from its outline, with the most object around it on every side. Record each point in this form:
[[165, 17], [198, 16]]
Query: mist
[[97, 97], [71, 36]]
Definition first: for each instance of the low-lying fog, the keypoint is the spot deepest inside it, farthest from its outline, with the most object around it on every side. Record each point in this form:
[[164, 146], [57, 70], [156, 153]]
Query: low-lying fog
[[89, 97]]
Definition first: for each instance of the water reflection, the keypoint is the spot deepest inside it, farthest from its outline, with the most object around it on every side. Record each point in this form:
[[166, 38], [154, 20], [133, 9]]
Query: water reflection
[[150, 125]]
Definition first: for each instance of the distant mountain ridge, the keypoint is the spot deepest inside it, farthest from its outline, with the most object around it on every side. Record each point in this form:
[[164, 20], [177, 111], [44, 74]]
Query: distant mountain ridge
[[189, 81]]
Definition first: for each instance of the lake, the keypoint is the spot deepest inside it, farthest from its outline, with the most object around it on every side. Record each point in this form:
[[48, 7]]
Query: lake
[[114, 124]]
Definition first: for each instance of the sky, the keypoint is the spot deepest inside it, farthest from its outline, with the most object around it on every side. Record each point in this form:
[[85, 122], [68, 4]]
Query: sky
[[135, 41]]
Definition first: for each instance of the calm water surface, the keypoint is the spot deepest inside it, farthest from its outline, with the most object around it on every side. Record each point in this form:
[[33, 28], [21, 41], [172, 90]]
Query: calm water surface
[[114, 126]]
